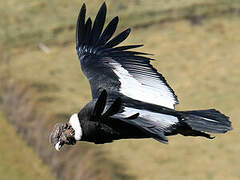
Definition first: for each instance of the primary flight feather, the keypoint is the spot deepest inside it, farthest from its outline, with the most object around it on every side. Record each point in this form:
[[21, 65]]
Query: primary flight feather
[[130, 99]]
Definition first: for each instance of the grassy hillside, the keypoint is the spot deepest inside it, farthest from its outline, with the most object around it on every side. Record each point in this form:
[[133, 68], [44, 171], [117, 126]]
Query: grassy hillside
[[17, 160], [201, 63], [196, 45], [29, 23]]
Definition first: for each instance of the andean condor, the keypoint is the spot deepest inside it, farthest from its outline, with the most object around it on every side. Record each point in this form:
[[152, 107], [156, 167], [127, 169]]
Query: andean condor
[[130, 99]]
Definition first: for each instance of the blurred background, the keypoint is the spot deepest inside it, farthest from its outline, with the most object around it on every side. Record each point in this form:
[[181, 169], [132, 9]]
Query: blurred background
[[196, 44]]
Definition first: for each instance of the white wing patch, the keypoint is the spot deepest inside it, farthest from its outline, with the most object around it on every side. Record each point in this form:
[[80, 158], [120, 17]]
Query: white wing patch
[[142, 88], [161, 120]]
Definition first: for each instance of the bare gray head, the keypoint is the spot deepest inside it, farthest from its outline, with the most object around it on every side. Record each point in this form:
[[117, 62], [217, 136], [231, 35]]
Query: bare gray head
[[62, 133]]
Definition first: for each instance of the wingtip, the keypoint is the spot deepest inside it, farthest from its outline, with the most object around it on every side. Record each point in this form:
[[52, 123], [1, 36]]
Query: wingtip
[[117, 18], [104, 5], [98, 24], [83, 6], [83, 9], [161, 139], [80, 24], [118, 39], [103, 8], [128, 30]]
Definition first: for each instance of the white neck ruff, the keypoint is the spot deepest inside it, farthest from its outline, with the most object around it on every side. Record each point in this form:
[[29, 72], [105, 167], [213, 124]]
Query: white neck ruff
[[75, 123]]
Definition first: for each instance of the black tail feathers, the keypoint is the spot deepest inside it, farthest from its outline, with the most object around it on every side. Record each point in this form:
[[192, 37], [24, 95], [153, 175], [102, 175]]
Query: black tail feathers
[[211, 121]]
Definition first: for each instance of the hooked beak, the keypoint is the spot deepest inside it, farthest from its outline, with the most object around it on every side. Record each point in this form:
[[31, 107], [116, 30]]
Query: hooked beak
[[59, 145], [66, 138], [61, 134]]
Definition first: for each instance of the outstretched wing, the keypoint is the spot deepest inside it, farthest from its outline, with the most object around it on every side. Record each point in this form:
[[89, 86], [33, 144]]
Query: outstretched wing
[[119, 70]]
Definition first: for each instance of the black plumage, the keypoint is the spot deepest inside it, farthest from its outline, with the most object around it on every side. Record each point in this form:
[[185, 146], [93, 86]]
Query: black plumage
[[98, 125], [130, 98]]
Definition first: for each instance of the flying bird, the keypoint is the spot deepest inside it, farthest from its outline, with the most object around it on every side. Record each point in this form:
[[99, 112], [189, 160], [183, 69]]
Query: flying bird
[[130, 99]]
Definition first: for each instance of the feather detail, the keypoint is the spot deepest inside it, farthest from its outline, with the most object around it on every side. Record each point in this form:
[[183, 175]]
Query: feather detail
[[99, 52]]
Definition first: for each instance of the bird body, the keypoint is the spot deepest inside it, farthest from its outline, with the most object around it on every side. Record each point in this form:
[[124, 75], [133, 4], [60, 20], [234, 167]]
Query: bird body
[[105, 131], [130, 99]]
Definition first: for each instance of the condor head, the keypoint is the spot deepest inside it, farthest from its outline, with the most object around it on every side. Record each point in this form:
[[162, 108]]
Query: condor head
[[62, 133]]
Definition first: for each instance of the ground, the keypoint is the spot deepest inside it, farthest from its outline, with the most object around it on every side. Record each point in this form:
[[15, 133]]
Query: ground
[[196, 47], [17, 159]]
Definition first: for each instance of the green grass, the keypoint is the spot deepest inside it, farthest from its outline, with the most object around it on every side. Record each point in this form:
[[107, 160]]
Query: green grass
[[28, 23], [17, 159], [200, 62]]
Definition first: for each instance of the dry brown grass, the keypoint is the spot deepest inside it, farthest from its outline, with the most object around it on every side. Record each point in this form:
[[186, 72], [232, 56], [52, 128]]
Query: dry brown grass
[[29, 23], [21, 108], [18, 161], [199, 61]]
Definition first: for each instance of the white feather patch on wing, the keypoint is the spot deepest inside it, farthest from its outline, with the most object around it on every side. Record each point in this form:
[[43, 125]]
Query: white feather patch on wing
[[75, 123], [148, 89], [163, 120]]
